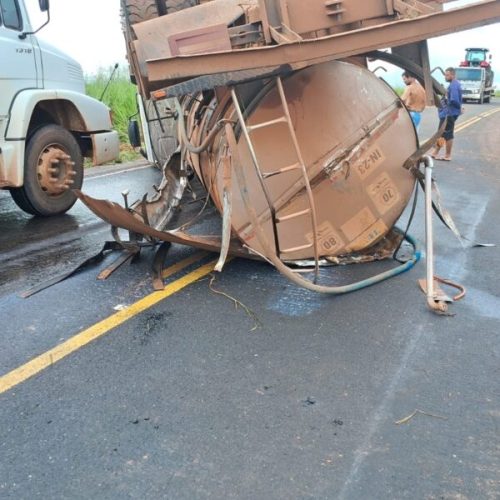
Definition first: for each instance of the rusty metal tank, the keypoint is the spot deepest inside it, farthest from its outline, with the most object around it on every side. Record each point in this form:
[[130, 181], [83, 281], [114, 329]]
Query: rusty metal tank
[[353, 136], [305, 153]]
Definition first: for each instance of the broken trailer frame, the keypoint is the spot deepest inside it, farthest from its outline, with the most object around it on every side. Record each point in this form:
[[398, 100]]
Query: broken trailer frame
[[224, 65]]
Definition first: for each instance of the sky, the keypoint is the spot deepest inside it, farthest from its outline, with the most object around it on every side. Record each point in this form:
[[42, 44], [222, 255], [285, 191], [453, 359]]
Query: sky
[[87, 30], [90, 31]]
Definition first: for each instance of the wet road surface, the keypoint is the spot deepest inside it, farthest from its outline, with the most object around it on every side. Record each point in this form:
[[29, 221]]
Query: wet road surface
[[33, 248], [297, 397]]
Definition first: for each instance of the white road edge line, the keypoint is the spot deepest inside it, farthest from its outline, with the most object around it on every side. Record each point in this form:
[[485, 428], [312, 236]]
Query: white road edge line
[[133, 169]]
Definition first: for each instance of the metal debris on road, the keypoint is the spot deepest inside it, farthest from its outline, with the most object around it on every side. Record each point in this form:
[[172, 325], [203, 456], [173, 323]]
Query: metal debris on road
[[416, 412]]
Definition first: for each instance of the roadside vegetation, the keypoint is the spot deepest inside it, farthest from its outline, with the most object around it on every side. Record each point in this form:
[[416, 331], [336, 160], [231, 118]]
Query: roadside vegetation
[[120, 98], [399, 90]]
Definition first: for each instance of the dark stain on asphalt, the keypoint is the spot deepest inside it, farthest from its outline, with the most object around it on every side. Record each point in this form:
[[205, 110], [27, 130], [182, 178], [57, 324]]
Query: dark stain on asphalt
[[152, 324], [309, 401]]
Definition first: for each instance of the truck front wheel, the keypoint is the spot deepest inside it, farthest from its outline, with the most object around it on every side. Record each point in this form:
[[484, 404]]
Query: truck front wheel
[[53, 167]]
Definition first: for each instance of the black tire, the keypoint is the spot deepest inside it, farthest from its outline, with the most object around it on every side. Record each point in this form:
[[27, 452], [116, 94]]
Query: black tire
[[50, 141], [163, 136], [172, 6], [137, 11]]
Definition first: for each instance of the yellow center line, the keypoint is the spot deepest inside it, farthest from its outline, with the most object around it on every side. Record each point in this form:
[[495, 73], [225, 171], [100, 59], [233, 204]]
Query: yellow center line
[[475, 119], [472, 121], [467, 124], [179, 266], [48, 358], [490, 112]]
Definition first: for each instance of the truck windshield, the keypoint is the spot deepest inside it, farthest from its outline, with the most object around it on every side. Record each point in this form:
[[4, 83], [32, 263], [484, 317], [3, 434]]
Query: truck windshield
[[468, 74], [476, 56]]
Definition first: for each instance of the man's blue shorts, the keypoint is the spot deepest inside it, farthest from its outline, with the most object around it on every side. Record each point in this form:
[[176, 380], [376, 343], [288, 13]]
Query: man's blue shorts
[[416, 117]]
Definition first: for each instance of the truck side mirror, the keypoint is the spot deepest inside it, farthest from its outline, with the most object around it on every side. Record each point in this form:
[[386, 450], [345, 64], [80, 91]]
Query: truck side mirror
[[134, 136], [44, 7]]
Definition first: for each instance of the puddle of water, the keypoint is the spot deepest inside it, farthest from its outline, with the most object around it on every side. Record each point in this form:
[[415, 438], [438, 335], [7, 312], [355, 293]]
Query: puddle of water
[[483, 303], [295, 302]]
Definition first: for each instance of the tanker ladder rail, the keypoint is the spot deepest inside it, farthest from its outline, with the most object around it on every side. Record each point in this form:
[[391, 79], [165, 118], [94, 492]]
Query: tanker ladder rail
[[263, 176]]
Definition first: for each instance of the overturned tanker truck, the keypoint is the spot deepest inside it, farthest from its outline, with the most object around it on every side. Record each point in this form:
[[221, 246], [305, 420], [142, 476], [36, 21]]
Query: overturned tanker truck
[[308, 156]]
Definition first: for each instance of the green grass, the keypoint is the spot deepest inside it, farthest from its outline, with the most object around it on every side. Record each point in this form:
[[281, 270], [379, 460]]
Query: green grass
[[399, 90], [120, 97]]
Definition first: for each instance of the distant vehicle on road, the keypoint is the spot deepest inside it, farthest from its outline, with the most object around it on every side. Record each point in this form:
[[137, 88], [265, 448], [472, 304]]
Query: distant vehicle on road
[[476, 76], [47, 123]]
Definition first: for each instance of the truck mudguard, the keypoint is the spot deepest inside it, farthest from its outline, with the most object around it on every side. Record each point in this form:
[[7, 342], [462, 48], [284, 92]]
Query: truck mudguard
[[91, 118]]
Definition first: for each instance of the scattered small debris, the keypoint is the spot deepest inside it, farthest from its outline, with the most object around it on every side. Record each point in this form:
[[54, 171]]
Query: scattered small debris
[[145, 419], [262, 391], [338, 422], [120, 307], [309, 401], [409, 417], [250, 313]]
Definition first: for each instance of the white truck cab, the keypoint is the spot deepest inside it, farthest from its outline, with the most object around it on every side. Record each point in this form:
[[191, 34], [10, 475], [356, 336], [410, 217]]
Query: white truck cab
[[476, 86], [47, 123]]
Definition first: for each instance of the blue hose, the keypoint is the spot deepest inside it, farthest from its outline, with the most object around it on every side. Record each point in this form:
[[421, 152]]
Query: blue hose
[[417, 255]]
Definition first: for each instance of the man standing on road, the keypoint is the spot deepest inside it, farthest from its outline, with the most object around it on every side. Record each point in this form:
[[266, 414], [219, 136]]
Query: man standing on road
[[449, 110], [414, 97]]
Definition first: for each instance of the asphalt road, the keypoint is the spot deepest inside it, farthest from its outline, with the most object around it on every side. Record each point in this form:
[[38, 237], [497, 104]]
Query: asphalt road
[[186, 396]]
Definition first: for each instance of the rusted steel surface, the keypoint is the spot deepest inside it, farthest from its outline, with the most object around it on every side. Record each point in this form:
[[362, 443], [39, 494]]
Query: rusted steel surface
[[55, 170], [154, 36], [306, 157], [350, 156], [117, 216], [163, 71], [306, 17]]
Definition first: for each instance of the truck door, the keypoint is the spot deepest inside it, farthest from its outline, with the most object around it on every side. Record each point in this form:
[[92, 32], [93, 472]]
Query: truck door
[[18, 68]]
